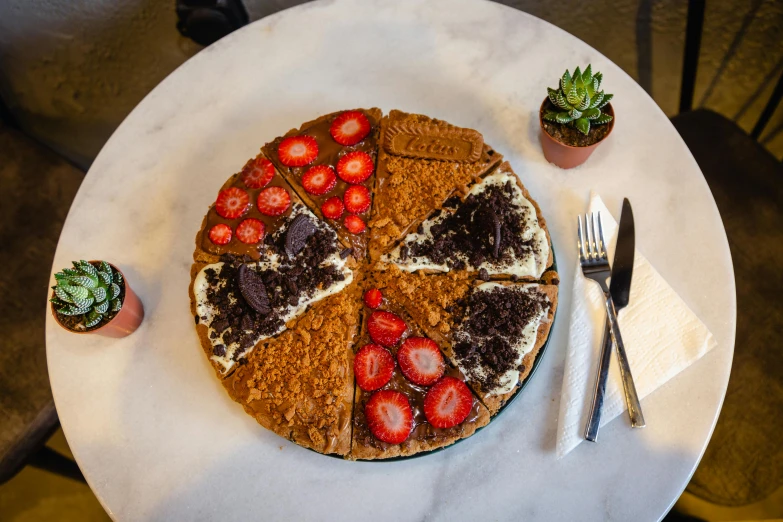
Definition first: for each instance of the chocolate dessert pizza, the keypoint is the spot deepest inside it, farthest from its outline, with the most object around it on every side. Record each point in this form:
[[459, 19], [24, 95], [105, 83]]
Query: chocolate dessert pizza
[[373, 286]]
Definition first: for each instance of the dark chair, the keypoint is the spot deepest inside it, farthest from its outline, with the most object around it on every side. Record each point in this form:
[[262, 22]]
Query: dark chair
[[744, 460], [37, 189]]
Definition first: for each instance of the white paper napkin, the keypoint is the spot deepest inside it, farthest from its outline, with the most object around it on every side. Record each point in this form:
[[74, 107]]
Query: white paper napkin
[[662, 337]]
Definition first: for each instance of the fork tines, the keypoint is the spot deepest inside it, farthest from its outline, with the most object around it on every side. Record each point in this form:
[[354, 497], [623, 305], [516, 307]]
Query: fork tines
[[590, 239]]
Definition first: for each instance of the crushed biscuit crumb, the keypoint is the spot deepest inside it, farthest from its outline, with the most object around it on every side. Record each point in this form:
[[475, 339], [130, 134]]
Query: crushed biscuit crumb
[[412, 187], [302, 379]]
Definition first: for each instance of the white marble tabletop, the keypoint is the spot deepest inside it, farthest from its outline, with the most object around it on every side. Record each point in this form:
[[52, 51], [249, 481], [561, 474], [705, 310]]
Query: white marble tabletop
[[151, 427]]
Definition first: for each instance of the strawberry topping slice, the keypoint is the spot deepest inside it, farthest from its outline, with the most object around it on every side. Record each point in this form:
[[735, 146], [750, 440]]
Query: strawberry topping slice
[[220, 234], [357, 199], [332, 208], [448, 403], [232, 202], [258, 172], [319, 180], [355, 167], [373, 367], [386, 328], [421, 361], [273, 201], [354, 224], [373, 298], [389, 416], [350, 127], [250, 231], [297, 151]]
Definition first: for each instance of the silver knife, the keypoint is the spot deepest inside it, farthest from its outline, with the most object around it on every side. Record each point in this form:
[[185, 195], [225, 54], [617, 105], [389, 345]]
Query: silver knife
[[620, 289]]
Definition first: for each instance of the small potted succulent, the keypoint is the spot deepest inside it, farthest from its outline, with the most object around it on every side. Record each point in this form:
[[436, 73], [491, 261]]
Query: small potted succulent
[[93, 297], [575, 118]]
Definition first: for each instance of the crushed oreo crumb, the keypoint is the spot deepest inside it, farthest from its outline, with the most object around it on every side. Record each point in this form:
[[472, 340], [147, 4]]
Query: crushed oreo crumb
[[346, 252], [196, 318], [238, 319], [219, 350], [492, 319], [487, 227], [483, 274]]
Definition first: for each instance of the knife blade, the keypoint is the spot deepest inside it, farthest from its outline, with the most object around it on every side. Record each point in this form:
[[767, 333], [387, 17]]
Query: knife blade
[[622, 267], [620, 289]]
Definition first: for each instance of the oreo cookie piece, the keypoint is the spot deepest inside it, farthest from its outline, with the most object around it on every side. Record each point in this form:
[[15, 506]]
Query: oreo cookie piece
[[253, 290], [300, 229], [491, 219]]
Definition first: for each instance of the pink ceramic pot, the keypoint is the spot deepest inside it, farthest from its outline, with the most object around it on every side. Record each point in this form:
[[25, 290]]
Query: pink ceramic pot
[[567, 156], [124, 323]]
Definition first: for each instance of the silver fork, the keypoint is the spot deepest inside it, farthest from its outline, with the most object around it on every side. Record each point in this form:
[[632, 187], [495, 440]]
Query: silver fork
[[595, 266]]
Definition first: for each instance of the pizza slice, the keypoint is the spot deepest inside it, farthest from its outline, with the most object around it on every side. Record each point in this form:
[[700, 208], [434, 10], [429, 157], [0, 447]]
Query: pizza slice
[[330, 162], [495, 230], [408, 398], [300, 384], [249, 208], [421, 163]]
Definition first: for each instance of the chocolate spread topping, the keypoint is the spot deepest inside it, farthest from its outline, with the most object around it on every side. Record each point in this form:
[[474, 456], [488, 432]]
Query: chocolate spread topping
[[329, 153], [422, 430], [271, 223]]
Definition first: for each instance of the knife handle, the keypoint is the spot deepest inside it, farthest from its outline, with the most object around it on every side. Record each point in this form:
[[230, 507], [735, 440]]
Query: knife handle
[[631, 398], [594, 419]]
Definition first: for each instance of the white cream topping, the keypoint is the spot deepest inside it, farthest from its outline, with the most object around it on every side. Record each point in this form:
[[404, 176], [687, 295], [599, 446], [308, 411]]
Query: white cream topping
[[521, 345], [207, 312], [532, 265], [411, 264]]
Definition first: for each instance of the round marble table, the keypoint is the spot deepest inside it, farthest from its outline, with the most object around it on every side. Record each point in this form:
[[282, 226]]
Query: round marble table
[[153, 430]]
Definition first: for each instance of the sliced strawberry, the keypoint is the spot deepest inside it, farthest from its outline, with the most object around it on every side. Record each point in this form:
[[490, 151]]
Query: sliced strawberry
[[355, 167], [389, 416], [250, 231], [421, 361], [319, 180], [357, 199], [386, 328], [332, 208], [373, 298], [273, 201], [232, 202], [297, 151], [258, 172], [373, 367], [354, 224], [220, 234], [447, 403], [350, 127]]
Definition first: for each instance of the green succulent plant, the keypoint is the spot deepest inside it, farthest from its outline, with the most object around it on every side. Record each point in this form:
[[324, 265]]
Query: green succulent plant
[[88, 291], [578, 100]]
